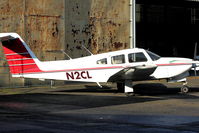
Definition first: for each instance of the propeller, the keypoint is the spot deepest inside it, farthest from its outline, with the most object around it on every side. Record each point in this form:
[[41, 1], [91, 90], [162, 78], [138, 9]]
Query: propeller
[[195, 58], [195, 51]]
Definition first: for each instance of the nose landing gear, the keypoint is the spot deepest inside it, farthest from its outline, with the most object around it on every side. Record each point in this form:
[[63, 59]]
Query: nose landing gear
[[185, 88]]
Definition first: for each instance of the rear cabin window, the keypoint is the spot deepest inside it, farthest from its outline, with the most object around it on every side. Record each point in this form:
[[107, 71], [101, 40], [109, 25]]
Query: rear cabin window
[[137, 57], [119, 59], [102, 61]]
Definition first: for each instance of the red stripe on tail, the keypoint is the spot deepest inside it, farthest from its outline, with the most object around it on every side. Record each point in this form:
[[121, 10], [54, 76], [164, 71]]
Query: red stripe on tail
[[18, 57], [24, 69], [24, 61]]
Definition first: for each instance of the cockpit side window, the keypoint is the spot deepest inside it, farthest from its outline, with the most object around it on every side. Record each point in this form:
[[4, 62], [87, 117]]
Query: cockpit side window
[[137, 57], [119, 59], [102, 61]]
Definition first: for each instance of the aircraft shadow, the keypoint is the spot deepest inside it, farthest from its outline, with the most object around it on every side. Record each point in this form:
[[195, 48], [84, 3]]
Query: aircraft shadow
[[149, 89], [158, 89], [92, 89], [63, 100], [155, 89]]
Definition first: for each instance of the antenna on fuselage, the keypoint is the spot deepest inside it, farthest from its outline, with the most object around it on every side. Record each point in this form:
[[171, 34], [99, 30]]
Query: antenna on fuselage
[[87, 50], [195, 57], [66, 54], [59, 51]]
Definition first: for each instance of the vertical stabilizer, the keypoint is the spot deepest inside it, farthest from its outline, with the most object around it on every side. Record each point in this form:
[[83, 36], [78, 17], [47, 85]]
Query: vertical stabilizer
[[20, 58]]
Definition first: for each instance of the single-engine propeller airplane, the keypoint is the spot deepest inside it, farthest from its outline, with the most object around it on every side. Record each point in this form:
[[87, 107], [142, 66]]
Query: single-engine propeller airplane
[[122, 67]]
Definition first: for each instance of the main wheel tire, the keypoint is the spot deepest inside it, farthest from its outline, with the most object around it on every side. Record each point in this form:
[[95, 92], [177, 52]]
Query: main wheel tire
[[120, 87], [129, 94], [184, 89]]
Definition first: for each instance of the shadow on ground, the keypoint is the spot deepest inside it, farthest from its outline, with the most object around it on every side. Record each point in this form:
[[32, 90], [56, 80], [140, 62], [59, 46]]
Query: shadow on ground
[[89, 97], [58, 102], [155, 89], [159, 89], [140, 89]]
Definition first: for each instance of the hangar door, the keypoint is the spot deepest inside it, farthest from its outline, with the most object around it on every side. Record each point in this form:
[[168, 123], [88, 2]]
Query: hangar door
[[168, 28]]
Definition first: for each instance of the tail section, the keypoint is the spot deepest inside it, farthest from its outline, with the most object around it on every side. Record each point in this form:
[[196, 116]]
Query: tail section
[[21, 59]]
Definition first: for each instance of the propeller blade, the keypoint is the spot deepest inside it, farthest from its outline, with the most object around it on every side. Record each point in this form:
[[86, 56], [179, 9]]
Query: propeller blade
[[195, 51]]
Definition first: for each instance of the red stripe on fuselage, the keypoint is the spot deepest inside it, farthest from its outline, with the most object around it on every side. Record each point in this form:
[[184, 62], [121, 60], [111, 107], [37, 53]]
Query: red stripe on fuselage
[[82, 69], [173, 64], [68, 70]]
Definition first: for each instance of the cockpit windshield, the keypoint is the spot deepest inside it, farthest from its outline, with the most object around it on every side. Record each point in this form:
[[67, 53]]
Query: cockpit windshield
[[153, 56]]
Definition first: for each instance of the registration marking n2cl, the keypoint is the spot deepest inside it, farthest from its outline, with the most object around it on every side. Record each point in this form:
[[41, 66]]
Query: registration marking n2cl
[[78, 75]]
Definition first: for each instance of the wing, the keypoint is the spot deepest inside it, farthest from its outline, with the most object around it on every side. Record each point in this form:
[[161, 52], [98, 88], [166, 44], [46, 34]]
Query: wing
[[140, 72]]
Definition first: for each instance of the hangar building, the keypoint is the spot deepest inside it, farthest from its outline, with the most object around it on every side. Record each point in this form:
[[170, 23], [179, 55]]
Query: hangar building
[[166, 27]]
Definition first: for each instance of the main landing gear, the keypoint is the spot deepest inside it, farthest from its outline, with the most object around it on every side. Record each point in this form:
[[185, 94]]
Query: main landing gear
[[126, 87]]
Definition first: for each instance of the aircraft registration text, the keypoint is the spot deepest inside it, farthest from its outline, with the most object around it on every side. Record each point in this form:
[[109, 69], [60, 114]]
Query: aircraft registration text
[[78, 75]]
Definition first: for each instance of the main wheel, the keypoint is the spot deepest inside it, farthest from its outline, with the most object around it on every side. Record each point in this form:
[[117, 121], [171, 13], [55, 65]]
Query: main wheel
[[184, 89], [129, 94], [120, 86]]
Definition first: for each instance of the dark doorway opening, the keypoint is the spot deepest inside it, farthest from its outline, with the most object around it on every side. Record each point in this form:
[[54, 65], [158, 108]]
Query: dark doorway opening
[[168, 28]]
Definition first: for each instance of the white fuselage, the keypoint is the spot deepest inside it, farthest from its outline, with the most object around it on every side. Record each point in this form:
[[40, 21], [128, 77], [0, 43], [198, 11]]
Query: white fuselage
[[88, 69]]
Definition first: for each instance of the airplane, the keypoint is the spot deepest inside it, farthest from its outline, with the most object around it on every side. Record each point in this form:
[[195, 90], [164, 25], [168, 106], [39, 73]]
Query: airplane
[[121, 67]]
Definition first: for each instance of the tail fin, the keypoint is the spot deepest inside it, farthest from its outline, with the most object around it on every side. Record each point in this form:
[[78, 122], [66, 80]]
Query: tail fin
[[20, 58]]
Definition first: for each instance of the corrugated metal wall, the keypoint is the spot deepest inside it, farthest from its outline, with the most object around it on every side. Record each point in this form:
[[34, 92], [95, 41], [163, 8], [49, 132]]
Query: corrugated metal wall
[[49, 26]]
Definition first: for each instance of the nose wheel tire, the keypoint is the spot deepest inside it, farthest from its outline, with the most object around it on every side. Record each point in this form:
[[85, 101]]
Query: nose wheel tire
[[184, 89]]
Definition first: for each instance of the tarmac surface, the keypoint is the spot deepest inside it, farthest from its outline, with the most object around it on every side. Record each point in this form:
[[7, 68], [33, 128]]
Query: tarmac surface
[[83, 108]]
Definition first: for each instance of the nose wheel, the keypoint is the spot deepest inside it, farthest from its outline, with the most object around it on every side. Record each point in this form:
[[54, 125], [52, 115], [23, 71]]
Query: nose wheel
[[184, 89]]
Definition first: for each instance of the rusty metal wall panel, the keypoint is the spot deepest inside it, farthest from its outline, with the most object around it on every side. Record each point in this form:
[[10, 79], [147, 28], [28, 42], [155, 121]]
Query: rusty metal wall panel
[[44, 28], [44, 7], [100, 25], [78, 30], [110, 25], [11, 20], [11, 16]]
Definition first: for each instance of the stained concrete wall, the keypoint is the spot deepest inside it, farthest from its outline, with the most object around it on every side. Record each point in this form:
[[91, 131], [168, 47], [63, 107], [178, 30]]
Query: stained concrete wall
[[49, 26]]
